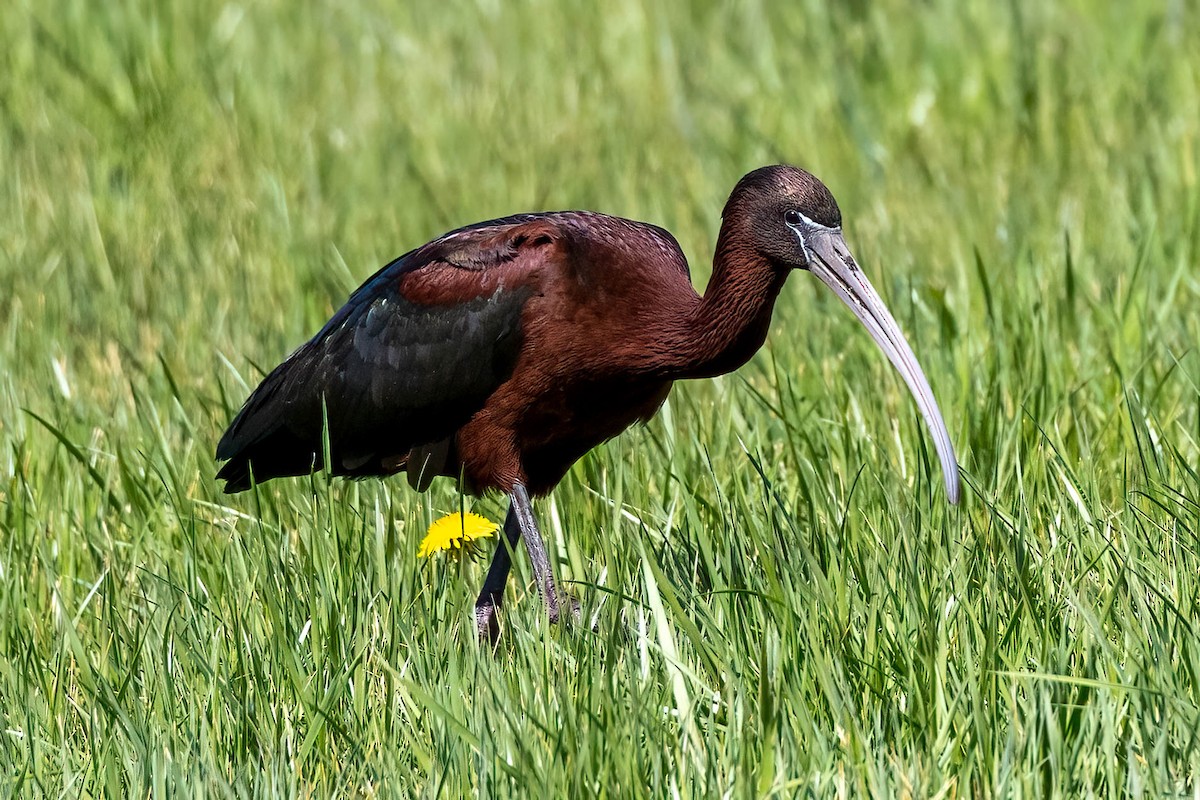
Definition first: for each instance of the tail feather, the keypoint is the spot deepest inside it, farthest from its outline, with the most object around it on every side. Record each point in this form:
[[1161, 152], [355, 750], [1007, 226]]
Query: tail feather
[[276, 434], [278, 455]]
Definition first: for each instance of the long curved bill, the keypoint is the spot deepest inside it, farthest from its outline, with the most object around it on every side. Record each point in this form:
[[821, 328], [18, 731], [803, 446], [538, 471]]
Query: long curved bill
[[834, 265]]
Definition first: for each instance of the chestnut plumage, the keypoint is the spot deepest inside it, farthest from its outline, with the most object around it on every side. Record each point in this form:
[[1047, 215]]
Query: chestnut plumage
[[503, 351]]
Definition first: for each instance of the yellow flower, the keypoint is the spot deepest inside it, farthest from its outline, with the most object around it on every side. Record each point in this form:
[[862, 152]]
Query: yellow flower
[[455, 531]]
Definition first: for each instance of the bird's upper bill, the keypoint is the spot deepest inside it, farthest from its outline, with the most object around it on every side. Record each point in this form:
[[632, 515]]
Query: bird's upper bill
[[830, 260]]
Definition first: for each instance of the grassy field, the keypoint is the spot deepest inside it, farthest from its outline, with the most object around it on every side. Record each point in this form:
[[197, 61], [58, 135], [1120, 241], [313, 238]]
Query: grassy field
[[784, 604]]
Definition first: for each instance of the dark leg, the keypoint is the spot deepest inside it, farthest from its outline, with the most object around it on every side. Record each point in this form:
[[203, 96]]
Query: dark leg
[[518, 523], [492, 595]]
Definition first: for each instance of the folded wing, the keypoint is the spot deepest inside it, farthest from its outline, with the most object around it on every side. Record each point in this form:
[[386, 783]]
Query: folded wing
[[398, 369]]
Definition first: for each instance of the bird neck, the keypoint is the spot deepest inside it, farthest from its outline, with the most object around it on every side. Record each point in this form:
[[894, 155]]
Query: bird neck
[[731, 321]]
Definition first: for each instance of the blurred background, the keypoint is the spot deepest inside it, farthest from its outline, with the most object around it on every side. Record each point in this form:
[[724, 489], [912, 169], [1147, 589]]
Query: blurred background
[[189, 190]]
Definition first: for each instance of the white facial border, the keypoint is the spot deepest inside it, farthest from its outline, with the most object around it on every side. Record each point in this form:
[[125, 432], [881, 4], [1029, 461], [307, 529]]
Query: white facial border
[[809, 226]]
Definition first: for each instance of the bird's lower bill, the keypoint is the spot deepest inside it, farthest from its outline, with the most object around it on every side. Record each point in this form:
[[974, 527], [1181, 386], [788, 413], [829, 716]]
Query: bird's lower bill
[[834, 265]]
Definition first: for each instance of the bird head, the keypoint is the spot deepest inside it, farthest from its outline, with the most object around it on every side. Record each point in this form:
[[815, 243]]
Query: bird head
[[794, 223]]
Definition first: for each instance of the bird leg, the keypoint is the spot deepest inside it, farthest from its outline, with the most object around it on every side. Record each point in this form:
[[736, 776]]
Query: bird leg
[[536, 549], [519, 523], [491, 597]]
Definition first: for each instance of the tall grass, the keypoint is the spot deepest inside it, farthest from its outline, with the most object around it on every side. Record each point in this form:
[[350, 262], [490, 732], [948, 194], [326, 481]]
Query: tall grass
[[783, 602]]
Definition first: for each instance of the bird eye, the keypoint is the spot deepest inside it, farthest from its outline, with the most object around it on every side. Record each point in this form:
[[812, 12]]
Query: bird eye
[[792, 216]]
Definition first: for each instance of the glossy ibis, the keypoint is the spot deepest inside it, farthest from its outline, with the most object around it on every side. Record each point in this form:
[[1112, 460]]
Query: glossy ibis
[[501, 352]]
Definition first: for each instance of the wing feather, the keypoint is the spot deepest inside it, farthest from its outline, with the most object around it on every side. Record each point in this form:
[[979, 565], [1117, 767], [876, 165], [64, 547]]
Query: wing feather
[[389, 373]]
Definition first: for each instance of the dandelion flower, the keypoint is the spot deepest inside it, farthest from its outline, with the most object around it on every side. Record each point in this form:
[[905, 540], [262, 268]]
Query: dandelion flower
[[454, 532]]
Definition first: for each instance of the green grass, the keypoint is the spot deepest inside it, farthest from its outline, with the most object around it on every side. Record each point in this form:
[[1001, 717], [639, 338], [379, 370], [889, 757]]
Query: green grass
[[784, 603]]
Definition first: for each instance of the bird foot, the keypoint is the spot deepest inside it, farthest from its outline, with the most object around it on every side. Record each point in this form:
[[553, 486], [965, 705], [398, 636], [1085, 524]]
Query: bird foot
[[487, 622], [487, 618], [555, 611]]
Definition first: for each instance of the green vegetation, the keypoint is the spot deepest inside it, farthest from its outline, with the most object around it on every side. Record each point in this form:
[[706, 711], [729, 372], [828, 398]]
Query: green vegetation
[[784, 604]]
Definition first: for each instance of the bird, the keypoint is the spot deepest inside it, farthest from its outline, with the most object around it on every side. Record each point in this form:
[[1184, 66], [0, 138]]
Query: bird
[[501, 352]]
